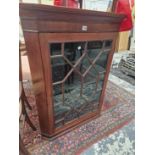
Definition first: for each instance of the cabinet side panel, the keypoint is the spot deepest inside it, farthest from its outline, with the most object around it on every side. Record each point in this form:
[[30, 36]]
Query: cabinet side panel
[[37, 72], [110, 57]]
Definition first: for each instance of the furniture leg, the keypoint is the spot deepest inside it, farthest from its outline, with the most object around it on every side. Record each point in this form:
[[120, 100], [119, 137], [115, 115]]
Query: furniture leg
[[25, 99], [27, 119]]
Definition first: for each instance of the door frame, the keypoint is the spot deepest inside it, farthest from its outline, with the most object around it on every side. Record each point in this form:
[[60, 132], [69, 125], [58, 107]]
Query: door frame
[[47, 38]]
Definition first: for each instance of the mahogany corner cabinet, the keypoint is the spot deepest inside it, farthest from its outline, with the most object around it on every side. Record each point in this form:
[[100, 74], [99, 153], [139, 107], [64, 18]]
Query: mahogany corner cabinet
[[70, 53]]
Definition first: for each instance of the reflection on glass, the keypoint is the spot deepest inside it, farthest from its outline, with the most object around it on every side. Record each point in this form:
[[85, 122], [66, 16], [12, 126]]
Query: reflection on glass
[[78, 70]]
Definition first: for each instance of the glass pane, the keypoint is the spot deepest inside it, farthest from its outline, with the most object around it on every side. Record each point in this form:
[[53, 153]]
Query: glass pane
[[77, 75], [59, 68], [55, 49], [101, 63], [108, 43]]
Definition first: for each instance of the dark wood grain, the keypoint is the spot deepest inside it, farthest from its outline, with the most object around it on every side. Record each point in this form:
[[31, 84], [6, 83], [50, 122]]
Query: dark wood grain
[[110, 57], [44, 24], [44, 18], [70, 27], [37, 72]]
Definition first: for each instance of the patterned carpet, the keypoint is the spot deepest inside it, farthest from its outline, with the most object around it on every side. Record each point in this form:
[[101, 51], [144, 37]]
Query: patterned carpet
[[117, 112], [121, 142]]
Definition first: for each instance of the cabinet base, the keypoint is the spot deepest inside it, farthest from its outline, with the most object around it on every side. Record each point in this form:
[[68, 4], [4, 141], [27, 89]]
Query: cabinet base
[[70, 127]]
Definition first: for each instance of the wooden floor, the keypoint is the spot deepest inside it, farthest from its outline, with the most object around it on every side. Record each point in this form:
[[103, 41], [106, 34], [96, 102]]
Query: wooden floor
[[26, 68]]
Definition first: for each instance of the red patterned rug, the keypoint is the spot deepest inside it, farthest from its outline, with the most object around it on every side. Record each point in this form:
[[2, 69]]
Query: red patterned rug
[[117, 112]]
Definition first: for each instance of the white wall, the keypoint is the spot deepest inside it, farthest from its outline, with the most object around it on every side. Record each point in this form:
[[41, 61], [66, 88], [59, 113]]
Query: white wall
[[98, 5]]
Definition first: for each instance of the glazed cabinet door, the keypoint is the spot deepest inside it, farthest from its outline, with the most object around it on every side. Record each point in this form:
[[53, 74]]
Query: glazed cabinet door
[[76, 68]]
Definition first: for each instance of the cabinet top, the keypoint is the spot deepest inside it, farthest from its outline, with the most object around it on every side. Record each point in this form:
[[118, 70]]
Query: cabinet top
[[40, 11], [45, 18]]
